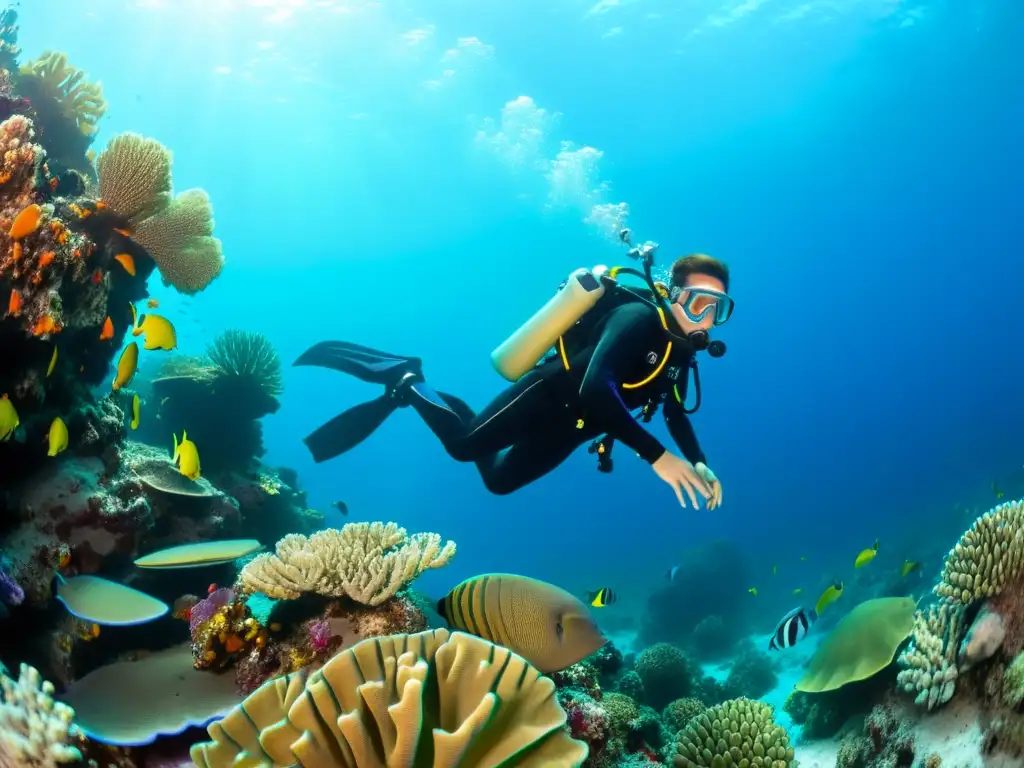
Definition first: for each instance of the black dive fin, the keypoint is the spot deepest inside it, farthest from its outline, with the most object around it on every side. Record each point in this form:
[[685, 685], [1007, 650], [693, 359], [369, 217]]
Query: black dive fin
[[347, 430], [366, 364]]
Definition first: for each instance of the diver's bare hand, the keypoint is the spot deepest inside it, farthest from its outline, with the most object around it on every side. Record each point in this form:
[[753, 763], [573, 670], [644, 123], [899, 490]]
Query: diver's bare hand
[[681, 475], [712, 482]]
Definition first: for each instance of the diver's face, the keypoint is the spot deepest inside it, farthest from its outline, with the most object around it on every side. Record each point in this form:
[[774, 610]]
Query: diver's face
[[697, 303]]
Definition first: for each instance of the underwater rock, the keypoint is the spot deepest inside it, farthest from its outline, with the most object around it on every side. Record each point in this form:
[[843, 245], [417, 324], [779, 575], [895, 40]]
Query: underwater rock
[[271, 504], [752, 674]]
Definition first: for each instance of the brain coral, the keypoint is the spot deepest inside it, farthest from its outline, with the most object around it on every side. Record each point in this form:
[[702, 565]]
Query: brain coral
[[666, 672], [429, 699], [739, 732]]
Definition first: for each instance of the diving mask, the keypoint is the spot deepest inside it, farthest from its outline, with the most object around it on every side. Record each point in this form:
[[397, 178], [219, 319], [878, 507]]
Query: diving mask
[[698, 303]]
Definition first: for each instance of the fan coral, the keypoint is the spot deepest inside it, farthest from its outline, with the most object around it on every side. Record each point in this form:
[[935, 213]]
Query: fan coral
[[34, 730], [247, 355], [738, 732], [368, 562], [929, 661], [181, 243], [430, 699], [987, 556], [134, 176]]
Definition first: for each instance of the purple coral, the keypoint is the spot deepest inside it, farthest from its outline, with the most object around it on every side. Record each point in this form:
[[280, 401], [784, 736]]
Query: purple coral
[[319, 634], [10, 592], [204, 610]]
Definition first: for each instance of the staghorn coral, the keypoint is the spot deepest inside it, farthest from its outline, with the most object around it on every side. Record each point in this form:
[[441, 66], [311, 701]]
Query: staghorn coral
[[368, 562], [180, 240], [247, 355], [738, 732], [134, 176], [34, 729], [929, 662], [988, 555], [78, 100], [372, 706]]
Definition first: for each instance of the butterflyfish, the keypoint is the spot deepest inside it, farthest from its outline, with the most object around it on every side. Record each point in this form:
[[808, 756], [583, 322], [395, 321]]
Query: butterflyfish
[[53, 361], [108, 329], [186, 456], [909, 566], [541, 622], [126, 366], [753, 591], [828, 597], [57, 437], [126, 261], [135, 412], [603, 597], [792, 628], [866, 556], [9, 420], [159, 333]]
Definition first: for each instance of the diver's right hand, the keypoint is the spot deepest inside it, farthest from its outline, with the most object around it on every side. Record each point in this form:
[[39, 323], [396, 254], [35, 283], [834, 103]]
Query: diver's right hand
[[680, 474]]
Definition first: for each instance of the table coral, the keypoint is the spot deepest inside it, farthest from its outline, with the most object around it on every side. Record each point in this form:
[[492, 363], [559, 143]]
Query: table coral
[[368, 562], [34, 729]]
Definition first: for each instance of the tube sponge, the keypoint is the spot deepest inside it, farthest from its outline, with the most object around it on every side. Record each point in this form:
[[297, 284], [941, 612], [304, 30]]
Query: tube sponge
[[736, 732], [34, 730], [179, 239], [988, 555]]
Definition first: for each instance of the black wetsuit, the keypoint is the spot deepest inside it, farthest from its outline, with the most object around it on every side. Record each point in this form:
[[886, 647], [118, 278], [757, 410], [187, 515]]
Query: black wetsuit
[[534, 425]]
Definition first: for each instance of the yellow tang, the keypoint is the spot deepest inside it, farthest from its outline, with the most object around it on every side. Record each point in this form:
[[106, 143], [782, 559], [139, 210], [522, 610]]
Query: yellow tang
[[135, 412], [186, 456], [58, 436], [909, 566], [159, 333], [866, 556], [126, 366], [53, 362], [828, 597], [9, 420]]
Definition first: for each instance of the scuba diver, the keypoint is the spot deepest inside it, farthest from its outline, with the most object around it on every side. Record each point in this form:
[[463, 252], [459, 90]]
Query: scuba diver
[[596, 352]]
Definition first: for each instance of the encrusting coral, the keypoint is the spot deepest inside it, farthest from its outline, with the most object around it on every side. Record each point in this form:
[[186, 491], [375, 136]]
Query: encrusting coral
[[988, 555], [930, 661], [739, 732], [34, 729], [368, 562], [430, 699]]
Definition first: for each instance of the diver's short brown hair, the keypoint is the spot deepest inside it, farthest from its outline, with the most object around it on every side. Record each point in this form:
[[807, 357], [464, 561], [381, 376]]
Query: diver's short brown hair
[[699, 264]]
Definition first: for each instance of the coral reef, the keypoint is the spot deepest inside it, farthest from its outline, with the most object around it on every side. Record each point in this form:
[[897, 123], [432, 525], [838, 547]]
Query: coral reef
[[738, 732], [666, 672], [35, 731], [368, 562], [752, 674], [680, 712], [987, 556], [930, 665]]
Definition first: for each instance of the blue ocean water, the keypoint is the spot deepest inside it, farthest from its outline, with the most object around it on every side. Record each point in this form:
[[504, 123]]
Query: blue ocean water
[[397, 174]]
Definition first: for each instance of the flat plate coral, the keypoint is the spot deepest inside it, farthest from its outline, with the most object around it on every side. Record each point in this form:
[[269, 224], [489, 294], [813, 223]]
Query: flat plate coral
[[108, 603], [199, 554]]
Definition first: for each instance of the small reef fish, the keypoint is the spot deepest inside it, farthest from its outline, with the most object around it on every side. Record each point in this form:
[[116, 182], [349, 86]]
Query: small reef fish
[[603, 597], [997, 490], [97, 277], [14, 303], [9, 420], [86, 631], [798, 591], [159, 333], [182, 607], [792, 628], [775, 570], [126, 261], [211, 589], [108, 329], [671, 573], [57, 437], [45, 325], [342, 507], [53, 362], [828, 597], [152, 303], [186, 456], [47, 259], [543, 623], [866, 556], [908, 567], [753, 591], [126, 366], [135, 412], [26, 222]]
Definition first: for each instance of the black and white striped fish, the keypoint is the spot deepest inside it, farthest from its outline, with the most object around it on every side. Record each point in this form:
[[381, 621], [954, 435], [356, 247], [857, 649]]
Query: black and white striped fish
[[792, 628]]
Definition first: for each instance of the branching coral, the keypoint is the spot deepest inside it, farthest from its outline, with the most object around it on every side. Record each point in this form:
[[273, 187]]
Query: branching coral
[[430, 699], [929, 662], [988, 555], [79, 100], [368, 562], [247, 355], [738, 732], [34, 730]]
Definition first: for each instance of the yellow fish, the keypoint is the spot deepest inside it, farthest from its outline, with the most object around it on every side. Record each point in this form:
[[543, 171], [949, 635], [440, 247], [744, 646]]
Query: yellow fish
[[798, 591], [159, 333], [603, 597], [186, 456], [997, 490], [58, 436], [866, 556], [909, 566], [53, 362], [803, 558], [775, 570], [9, 420], [135, 412], [828, 597], [126, 365], [753, 591]]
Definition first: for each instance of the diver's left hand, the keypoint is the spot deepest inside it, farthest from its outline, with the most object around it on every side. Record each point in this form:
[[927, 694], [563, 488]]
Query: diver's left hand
[[712, 482]]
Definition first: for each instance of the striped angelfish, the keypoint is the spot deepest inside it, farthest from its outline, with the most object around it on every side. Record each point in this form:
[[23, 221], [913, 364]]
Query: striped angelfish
[[792, 628]]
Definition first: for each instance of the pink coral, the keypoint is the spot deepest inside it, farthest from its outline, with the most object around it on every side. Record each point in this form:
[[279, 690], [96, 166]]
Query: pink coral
[[319, 634], [204, 610]]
